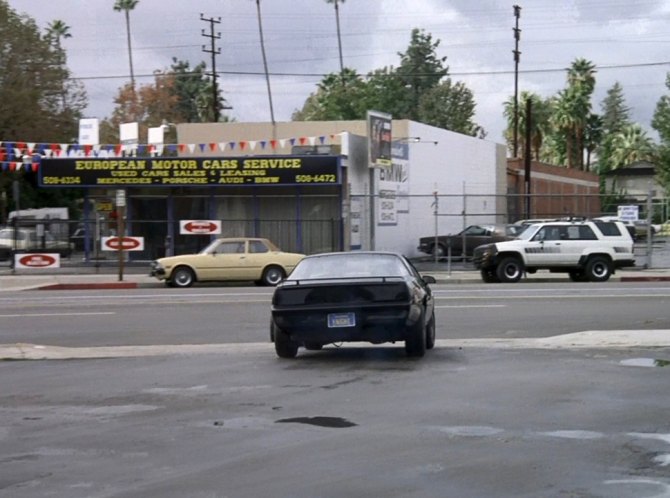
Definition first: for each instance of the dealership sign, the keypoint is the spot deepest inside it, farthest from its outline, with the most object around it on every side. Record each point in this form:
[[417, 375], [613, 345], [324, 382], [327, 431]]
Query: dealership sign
[[37, 260], [125, 244], [254, 171], [199, 227]]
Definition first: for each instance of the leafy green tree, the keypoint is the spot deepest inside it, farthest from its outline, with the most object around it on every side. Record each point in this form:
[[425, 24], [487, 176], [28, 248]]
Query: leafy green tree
[[418, 89], [615, 112], [339, 96], [193, 89], [615, 117], [450, 106], [420, 69], [39, 102]]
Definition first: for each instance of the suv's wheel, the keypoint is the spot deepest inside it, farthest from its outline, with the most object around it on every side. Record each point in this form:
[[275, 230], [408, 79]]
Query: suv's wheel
[[510, 269], [415, 343], [489, 276], [598, 269], [577, 276], [284, 346], [272, 275], [182, 277]]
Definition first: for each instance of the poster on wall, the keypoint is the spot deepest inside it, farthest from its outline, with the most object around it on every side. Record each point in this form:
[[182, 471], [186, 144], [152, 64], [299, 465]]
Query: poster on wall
[[393, 189], [379, 139], [355, 214]]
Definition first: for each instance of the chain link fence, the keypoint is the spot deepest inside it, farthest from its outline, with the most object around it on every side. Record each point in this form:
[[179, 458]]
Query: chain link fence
[[78, 241]]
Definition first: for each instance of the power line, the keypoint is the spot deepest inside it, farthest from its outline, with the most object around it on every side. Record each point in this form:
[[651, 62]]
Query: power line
[[321, 75]]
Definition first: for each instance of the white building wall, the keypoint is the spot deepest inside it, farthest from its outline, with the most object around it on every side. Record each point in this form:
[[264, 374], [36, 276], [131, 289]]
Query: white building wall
[[450, 164]]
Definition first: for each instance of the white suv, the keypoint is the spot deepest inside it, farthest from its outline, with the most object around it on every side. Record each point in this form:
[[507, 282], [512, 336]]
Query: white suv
[[586, 250]]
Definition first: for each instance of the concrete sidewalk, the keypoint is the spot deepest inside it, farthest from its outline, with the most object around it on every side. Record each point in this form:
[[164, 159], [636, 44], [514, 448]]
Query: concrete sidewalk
[[88, 279]]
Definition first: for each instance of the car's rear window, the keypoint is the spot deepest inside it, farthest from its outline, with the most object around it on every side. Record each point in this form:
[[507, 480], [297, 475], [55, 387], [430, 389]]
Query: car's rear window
[[609, 228], [349, 265]]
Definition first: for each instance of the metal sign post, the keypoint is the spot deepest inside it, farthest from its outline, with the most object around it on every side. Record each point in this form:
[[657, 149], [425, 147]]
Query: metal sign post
[[120, 215]]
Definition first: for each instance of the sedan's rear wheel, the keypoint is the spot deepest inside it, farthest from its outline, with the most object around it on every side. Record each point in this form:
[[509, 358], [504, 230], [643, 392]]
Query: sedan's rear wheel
[[415, 343], [284, 346], [182, 277], [272, 275]]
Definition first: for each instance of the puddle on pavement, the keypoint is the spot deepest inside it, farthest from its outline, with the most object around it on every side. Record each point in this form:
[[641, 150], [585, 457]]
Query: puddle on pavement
[[330, 422], [645, 362]]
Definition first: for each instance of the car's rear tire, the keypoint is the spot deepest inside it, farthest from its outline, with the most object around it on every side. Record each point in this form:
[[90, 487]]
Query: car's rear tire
[[284, 346], [489, 276], [430, 333], [510, 269], [598, 269], [415, 343], [182, 276], [272, 275]]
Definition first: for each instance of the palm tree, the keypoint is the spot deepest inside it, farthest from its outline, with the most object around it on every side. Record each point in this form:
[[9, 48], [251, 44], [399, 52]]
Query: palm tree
[[539, 127], [265, 61], [339, 38], [631, 144], [126, 6], [581, 82], [58, 30]]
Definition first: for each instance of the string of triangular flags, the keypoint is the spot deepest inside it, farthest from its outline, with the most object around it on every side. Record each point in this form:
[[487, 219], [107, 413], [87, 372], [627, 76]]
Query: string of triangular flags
[[12, 153]]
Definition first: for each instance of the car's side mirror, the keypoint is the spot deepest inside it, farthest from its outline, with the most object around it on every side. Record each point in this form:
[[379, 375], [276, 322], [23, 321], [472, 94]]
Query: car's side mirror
[[429, 279]]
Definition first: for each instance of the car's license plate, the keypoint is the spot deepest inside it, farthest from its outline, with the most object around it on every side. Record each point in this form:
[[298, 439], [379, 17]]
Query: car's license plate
[[341, 320]]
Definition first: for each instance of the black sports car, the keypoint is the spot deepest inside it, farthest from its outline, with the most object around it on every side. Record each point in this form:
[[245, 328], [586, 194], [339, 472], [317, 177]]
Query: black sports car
[[353, 296]]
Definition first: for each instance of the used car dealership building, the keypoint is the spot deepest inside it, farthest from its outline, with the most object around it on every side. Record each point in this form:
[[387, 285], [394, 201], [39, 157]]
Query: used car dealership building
[[307, 186]]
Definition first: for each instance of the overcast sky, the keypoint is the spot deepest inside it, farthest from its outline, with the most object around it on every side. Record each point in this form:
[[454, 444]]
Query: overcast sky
[[627, 40]]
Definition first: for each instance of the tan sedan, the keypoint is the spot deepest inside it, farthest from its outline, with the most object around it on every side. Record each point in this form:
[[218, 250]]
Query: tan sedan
[[228, 259]]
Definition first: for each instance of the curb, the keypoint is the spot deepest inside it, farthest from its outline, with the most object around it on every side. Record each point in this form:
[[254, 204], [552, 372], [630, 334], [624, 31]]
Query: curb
[[90, 286], [645, 279]]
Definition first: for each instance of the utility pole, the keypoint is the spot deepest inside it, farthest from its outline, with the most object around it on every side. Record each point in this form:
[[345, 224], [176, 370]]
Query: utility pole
[[517, 54], [214, 52]]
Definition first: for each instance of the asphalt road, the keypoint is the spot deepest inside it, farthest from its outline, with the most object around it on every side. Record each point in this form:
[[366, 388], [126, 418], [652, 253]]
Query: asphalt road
[[475, 419], [203, 315]]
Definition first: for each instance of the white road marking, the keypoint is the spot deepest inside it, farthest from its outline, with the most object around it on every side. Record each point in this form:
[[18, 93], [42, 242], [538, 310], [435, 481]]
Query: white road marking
[[30, 315], [473, 306]]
